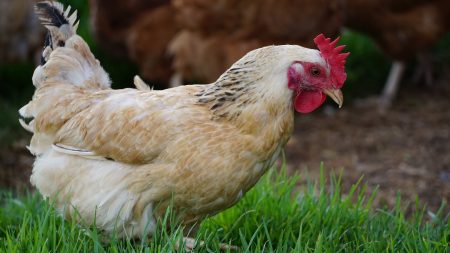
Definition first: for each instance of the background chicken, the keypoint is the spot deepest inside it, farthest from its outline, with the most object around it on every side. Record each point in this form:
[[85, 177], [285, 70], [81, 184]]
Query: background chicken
[[220, 32], [211, 35], [140, 30], [120, 157], [197, 40], [403, 30], [20, 30]]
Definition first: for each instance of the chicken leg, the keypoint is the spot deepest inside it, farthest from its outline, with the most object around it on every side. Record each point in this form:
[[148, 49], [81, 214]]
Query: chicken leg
[[392, 84], [424, 70]]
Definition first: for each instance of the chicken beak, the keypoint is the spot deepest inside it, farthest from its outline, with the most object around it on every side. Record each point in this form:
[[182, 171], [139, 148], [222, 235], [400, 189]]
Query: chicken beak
[[336, 95]]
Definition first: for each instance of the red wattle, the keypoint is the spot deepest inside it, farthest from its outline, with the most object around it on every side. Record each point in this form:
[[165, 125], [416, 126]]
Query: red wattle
[[308, 101]]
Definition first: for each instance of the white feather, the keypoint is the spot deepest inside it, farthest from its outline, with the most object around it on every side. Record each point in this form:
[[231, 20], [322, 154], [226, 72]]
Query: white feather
[[94, 189]]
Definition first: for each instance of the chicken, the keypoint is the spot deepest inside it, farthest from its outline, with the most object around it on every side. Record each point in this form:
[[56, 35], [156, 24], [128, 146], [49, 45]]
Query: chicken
[[21, 33], [192, 51], [121, 157], [111, 20], [147, 41], [402, 29], [140, 30], [220, 32]]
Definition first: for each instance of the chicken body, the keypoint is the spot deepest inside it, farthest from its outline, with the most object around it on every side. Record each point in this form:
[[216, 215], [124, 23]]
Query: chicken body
[[157, 145], [121, 157], [160, 146]]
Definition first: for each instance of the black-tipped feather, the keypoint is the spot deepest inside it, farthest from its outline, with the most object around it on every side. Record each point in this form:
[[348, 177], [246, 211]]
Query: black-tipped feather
[[43, 61], [48, 40], [53, 16], [48, 43]]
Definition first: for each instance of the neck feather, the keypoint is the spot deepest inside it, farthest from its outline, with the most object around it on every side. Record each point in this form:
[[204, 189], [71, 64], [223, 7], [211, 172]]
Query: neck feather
[[242, 97]]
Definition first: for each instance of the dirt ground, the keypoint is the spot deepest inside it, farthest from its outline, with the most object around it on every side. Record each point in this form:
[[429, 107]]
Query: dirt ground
[[405, 150]]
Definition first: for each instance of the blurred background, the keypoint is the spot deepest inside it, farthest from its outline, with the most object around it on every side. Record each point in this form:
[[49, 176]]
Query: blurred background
[[394, 129]]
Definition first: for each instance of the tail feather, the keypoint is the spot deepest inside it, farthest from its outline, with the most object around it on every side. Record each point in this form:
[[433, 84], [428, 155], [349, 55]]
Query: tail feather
[[61, 25], [51, 13], [74, 63], [66, 80]]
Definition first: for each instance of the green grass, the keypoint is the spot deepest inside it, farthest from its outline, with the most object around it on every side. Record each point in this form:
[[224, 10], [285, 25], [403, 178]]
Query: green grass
[[275, 216]]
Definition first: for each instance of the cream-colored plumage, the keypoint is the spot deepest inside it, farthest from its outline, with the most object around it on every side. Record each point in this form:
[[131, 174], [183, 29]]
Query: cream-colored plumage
[[121, 156]]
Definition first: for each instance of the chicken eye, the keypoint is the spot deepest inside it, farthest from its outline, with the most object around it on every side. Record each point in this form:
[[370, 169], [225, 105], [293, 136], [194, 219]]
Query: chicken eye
[[315, 71]]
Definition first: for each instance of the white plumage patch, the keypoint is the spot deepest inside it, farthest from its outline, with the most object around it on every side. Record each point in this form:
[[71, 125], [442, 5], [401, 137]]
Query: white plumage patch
[[96, 190]]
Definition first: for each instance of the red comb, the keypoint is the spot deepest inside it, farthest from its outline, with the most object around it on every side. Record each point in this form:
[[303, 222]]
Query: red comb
[[334, 57]]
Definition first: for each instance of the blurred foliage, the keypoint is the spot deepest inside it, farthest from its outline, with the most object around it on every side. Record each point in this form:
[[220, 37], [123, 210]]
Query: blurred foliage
[[367, 67], [441, 52], [15, 90]]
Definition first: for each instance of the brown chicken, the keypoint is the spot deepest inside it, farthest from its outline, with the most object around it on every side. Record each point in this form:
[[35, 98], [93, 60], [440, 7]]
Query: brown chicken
[[21, 33], [214, 34], [140, 30], [120, 157], [403, 29], [220, 32]]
